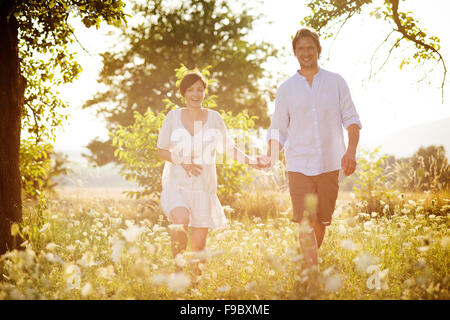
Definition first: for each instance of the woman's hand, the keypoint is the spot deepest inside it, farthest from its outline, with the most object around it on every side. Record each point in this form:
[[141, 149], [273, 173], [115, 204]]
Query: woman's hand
[[192, 169]]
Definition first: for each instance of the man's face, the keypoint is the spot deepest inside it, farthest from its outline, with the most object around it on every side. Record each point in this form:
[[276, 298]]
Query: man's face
[[306, 52]]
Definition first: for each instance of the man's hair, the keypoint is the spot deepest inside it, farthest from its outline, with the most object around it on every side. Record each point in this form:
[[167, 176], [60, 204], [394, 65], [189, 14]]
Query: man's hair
[[189, 79], [306, 32]]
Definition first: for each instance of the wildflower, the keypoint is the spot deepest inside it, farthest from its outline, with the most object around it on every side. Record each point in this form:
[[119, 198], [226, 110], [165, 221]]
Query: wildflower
[[72, 275], [368, 225], [51, 246], [178, 282], [53, 258], [228, 210], [176, 227], [203, 254], [333, 283], [250, 286], [132, 232], [363, 261], [348, 244], [86, 290], [363, 215], [224, 288], [180, 261], [117, 248], [106, 273], [374, 214], [44, 227], [159, 279]]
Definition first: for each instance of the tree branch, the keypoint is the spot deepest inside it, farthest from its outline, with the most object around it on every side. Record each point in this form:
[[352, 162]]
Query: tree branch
[[410, 37]]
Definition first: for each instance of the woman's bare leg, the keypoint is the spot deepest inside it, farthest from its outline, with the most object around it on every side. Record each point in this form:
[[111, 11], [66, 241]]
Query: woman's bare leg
[[180, 215]]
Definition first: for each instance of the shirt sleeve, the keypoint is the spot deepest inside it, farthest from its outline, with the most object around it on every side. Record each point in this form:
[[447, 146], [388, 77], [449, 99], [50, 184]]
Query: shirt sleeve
[[278, 129], [348, 110], [225, 143], [165, 132]]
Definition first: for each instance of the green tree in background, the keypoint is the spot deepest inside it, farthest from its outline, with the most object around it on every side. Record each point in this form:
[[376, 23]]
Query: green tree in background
[[327, 14], [34, 55], [196, 33]]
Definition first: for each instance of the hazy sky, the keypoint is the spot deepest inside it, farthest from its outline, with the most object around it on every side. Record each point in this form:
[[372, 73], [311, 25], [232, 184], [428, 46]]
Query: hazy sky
[[392, 100]]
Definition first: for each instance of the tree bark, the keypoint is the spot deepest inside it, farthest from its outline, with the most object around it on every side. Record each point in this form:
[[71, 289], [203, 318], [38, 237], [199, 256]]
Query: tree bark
[[12, 88]]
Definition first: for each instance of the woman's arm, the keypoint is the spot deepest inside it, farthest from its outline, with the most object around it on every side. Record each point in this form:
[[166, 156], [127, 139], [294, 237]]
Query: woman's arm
[[241, 157]]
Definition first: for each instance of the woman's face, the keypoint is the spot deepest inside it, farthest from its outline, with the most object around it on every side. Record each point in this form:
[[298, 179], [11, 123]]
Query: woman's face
[[195, 95]]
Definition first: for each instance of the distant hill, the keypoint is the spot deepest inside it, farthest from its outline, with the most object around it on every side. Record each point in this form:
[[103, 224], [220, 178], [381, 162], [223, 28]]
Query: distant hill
[[406, 142]]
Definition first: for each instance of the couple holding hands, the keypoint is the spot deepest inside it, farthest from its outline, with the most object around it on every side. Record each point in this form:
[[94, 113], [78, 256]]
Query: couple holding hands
[[311, 109]]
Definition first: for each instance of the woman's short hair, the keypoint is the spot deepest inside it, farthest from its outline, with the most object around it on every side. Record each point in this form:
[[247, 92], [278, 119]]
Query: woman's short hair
[[189, 79], [306, 32]]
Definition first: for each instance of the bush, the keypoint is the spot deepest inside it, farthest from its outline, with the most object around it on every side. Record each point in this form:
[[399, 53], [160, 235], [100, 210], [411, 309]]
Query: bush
[[39, 164]]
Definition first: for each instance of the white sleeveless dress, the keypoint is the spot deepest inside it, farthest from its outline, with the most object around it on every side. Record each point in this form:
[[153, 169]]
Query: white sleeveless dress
[[196, 193]]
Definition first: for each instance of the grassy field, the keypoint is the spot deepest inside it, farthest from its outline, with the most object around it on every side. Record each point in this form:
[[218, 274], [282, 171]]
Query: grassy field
[[97, 244]]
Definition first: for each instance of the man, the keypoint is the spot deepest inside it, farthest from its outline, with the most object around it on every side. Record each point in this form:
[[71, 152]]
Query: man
[[311, 108]]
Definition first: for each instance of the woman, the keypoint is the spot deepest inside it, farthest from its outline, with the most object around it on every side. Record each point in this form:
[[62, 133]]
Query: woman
[[188, 141]]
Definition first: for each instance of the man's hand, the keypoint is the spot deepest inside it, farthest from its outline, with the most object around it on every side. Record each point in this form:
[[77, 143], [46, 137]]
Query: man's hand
[[348, 162]]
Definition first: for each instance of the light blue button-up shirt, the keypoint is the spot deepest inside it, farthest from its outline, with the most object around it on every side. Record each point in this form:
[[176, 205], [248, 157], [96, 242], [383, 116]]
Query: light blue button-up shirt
[[308, 121]]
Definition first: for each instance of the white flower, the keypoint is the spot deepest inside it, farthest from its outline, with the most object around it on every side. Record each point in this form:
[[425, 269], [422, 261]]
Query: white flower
[[72, 274], [228, 210], [106, 273], [159, 279], [117, 248], [132, 232], [250, 286], [348, 244], [333, 283], [44, 227], [53, 258], [87, 260], [178, 282], [86, 290], [176, 227], [51, 246], [224, 288], [363, 261], [180, 261]]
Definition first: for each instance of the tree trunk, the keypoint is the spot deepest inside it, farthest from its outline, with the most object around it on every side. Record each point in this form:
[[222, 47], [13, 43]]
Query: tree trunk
[[12, 88]]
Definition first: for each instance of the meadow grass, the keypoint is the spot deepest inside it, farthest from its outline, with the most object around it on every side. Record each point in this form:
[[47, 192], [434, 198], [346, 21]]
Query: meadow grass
[[83, 244]]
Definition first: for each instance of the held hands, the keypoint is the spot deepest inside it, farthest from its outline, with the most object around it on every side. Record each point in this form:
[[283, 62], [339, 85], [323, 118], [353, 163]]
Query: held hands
[[348, 162], [264, 162]]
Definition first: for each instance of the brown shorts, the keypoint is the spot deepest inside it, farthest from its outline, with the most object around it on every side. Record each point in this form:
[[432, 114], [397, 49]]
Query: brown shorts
[[325, 186]]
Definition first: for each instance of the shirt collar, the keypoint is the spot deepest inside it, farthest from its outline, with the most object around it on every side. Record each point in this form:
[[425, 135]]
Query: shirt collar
[[319, 72]]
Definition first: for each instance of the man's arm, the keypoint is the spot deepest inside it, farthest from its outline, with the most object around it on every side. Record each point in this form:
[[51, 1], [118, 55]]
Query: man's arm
[[348, 161]]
